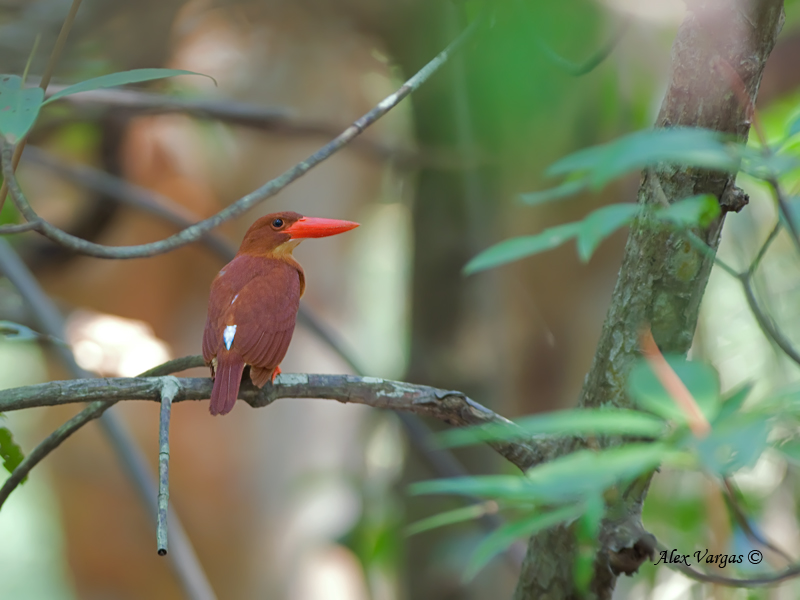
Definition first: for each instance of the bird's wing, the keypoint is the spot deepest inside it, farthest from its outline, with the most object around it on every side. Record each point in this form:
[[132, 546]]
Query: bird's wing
[[260, 319], [220, 298]]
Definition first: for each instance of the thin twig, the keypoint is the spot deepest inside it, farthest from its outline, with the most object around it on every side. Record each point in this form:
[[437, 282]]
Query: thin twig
[[763, 250], [93, 411], [169, 388], [45, 81], [19, 228], [193, 233], [731, 496], [766, 324], [591, 63], [764, 321]]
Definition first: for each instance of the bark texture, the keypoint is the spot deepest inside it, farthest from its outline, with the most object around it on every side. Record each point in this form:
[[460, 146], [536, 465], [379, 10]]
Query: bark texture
[[718, 56]]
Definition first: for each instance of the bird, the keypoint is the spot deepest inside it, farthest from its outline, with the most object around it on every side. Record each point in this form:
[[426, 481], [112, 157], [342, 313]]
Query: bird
[[253, 303]]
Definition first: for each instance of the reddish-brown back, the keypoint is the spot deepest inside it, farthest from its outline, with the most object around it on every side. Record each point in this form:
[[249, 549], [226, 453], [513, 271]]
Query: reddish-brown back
[[252, 309]]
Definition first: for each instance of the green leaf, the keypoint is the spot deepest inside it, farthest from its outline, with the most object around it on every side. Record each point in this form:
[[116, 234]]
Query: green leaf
[[504, 487], [733, 444], [678, 145], [568, 188], [589, 522], [701, 381], [590, 421], [10, 452], [602, 223], [122, 78], [564, 479], [505, 535], [584, 472], [450, 517], [521, 247], [19, 107], [586, 533], [734, 401], [692, 212]]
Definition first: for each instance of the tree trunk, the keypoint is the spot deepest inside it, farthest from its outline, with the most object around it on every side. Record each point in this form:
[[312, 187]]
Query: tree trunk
[[722, 46]]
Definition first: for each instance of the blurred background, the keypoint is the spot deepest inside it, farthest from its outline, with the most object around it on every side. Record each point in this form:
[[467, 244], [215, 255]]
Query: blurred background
[[306, 500]]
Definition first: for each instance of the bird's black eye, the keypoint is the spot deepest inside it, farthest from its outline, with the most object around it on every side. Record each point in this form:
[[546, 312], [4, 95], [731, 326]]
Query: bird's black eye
[[277, 223]]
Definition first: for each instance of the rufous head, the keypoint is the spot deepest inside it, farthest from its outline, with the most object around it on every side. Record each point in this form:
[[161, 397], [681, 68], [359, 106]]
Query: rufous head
[[279, 233]]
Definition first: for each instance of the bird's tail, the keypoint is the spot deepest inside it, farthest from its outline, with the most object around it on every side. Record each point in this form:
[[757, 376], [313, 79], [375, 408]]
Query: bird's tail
[[230, 367]]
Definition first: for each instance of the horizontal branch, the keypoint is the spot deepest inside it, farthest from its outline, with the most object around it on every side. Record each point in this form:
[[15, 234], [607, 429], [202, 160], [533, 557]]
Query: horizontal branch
[[445, 405]]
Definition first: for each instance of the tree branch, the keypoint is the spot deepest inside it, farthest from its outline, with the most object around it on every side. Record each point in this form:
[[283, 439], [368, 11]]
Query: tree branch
[[194, 232], [449, 406]]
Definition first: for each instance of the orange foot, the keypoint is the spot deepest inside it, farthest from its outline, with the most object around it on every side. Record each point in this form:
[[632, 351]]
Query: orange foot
[[275, 373]]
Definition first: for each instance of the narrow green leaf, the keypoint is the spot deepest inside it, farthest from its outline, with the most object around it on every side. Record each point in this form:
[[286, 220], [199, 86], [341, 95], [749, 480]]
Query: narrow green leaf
[[679, 145], [451, 517], [19, 108], [586, 532], [504, 487], [564, 479], [521, 247], [584, 472], [122, 78], [10, 452], [505, 535], [701, 380], [602, 223], [589, 522], [592, 421], [568, 188], [691, 212]]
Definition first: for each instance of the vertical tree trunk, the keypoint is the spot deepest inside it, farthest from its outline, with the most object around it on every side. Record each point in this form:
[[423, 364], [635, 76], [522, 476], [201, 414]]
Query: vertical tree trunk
[[720, 46]]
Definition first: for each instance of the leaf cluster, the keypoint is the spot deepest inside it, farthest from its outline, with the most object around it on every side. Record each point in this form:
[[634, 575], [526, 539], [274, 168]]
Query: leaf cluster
[[593, 168], [572, 490]]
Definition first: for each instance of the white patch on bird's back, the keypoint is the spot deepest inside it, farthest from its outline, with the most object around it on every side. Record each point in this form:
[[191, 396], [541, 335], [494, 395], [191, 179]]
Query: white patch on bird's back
[[234, 299], [228, 334]]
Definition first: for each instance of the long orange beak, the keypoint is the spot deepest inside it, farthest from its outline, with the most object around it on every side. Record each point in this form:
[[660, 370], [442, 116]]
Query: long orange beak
[[312, 227]]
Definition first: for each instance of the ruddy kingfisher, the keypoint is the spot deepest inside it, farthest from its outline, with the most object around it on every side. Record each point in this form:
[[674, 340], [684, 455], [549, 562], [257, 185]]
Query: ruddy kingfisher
[[253, 303]]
